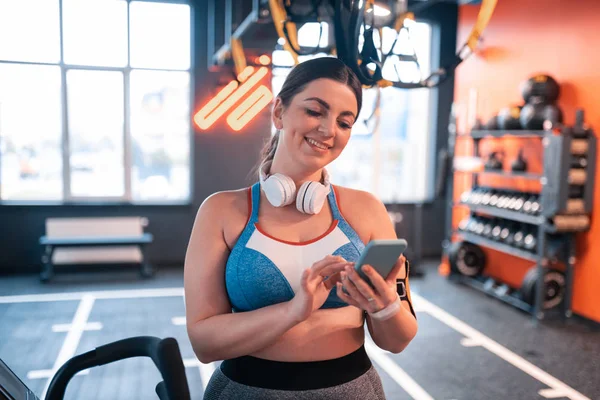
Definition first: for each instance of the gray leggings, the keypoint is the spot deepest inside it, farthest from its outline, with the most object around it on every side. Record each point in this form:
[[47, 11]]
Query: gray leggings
[[365, 387]]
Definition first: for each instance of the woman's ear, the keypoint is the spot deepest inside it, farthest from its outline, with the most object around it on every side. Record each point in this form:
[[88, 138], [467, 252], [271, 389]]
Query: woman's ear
[[277, 114]]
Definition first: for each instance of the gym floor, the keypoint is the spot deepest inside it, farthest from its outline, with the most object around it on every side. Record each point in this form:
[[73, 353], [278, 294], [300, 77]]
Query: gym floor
[[469, 346]]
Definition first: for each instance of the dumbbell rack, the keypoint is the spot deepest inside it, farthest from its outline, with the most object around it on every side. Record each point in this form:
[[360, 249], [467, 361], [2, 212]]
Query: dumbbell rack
[[560, 148]]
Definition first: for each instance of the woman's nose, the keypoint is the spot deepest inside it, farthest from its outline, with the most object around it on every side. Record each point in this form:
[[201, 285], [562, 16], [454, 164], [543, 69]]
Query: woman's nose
[[327, 127]]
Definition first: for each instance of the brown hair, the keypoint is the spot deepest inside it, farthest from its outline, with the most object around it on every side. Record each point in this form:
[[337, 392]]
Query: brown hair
[[300, 76]]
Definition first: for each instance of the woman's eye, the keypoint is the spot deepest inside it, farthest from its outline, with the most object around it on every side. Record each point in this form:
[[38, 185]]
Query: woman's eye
[[313, 112], [344, 125]]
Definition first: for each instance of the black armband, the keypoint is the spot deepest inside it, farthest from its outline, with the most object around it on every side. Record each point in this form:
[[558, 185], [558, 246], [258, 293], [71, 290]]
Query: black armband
[[401, 288]]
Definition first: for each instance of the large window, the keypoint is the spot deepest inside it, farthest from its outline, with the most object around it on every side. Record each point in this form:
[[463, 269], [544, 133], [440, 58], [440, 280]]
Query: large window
[[95, 100], [389, 151]]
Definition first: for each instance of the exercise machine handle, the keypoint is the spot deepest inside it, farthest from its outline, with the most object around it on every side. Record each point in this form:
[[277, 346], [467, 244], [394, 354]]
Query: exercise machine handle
[[164, 353]]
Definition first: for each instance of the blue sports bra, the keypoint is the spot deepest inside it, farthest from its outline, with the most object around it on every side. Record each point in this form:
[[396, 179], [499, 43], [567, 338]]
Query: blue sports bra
[[262, 270]]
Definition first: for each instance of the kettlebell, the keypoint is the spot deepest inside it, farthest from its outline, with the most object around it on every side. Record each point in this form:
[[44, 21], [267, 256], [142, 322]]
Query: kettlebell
[[494, 161], [519, 165]]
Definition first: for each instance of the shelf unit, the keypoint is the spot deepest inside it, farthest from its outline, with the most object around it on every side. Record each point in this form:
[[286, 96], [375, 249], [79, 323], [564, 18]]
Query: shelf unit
[[506, 214], [558, 157], [496, 245], [506, 174]]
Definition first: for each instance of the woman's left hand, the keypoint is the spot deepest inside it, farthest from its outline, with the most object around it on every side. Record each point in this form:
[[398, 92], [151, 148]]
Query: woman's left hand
[[362, 295]]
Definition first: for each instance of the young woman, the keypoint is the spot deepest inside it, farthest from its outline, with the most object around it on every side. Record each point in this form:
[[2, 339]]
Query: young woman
[[268, 267]]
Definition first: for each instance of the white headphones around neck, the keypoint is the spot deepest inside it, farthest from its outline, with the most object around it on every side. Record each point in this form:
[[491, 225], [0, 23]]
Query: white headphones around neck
[[280, 190]]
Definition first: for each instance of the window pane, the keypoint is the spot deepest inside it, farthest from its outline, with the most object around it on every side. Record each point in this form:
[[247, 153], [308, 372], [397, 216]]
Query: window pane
[[160, 35], [30, 132], [29, 30], [310, 34], [160, 135], [95, 32], [95, 108], [393, 161]]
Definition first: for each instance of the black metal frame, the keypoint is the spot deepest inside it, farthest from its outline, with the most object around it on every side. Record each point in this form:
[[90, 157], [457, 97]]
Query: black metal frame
[[218, 57]]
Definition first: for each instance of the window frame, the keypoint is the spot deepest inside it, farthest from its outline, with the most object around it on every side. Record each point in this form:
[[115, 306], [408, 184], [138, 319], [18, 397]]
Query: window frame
[[126, 198]]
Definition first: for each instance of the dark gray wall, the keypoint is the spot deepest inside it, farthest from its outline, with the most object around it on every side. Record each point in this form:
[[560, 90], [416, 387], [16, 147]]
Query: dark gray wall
[[221, 160]]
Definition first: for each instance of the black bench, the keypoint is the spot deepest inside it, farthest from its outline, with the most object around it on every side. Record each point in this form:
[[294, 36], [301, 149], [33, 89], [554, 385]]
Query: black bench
[[79, 239]]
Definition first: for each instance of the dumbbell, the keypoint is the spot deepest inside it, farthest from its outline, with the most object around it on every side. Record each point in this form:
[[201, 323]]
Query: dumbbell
[[502, 201], [474, 196], [497, 230], [536, 206], [479, 227], [519, 237], [529, 242], [532, 205], [511, 202], [471, 223], [494, 199], [483, 196], [486, 197], [518, 205], [487, 228], [507, 234], [465, 197]]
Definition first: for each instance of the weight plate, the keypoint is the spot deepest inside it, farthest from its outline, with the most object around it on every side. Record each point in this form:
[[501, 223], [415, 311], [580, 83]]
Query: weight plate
[[554, 288], [466, 259]]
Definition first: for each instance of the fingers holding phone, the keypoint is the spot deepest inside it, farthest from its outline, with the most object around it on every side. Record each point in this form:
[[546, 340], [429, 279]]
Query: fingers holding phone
[[372, 295], [371, 283]]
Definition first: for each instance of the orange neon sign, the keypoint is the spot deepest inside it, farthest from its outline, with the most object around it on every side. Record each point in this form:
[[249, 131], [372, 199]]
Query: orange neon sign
[[249, 108], [230, 95]]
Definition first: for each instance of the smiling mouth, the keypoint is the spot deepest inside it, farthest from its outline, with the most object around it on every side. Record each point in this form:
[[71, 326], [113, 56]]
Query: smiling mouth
[[317, 144]]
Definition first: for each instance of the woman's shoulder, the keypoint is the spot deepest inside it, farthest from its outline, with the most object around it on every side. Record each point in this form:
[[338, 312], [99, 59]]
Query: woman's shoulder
[[357, 200], [360, 208], [227, 201]]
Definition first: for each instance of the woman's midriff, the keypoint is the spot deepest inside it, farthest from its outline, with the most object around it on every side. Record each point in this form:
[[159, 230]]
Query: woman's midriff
[[326, 334]]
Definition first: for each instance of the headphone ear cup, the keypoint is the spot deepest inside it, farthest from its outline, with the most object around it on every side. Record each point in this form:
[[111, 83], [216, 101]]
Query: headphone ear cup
[[279, 190], [290, 188], [311, 197]]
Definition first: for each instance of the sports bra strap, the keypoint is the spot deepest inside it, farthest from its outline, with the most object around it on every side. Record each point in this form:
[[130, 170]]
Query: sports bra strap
[[335, 210], [255, 203]]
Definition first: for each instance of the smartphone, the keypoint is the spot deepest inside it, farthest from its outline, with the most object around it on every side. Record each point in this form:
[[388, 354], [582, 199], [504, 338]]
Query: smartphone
[[382, 255]]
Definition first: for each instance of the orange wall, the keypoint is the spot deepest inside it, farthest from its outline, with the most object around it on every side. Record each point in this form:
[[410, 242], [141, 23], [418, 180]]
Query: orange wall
[[524, 38]]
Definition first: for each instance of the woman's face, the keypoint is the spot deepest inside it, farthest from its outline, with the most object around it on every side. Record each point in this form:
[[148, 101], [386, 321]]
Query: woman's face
[[317, 123]]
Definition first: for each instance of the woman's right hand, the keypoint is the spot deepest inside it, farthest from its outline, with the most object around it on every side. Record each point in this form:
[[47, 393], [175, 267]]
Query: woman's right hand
[[314, 288]]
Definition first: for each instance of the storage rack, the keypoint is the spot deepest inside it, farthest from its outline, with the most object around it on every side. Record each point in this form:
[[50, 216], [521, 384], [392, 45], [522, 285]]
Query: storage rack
[[561, 147]]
